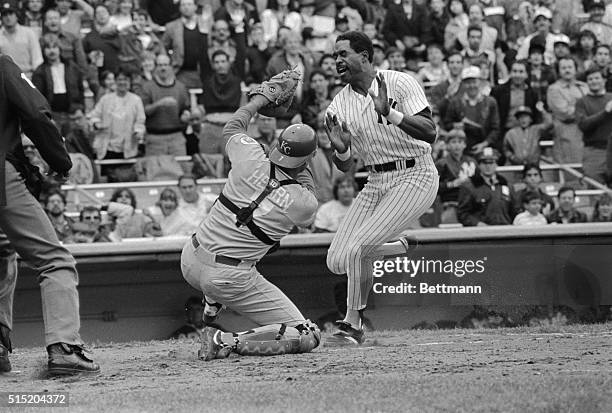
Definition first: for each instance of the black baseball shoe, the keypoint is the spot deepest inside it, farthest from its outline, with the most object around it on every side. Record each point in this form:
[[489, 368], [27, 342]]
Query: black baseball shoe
[[5, 349], [212, 348], [211, 312], [69, 359], [346, 336], [409, 243]]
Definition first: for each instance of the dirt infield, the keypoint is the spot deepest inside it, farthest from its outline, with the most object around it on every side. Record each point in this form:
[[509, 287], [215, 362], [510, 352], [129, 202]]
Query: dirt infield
[[565, 369]]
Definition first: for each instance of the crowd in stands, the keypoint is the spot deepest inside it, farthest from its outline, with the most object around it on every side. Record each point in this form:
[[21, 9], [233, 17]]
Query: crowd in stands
[[150, 80]]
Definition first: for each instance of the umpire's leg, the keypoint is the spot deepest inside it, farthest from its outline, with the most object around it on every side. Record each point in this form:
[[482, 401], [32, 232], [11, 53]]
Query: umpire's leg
[[33, 237], [8, 279]]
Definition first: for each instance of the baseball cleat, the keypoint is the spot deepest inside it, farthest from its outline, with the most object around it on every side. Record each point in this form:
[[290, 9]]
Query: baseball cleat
[[346, 336], [212, 347], [409, 243], [211, 312], [69, 359]]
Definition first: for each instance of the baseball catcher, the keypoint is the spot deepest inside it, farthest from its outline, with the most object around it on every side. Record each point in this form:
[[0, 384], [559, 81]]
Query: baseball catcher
[[263, 199]]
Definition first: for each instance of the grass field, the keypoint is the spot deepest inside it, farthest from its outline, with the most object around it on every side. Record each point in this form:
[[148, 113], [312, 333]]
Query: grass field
[[544, 369]]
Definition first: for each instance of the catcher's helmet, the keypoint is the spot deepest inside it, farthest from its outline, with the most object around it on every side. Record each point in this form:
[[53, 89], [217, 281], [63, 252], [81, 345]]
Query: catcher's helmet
[[296, 144]]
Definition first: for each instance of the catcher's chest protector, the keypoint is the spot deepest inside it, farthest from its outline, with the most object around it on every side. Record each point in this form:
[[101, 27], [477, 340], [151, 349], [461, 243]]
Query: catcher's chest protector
[[244, 216]]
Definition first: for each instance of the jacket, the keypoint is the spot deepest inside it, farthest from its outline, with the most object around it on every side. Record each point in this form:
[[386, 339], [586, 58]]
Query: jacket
[[479, 202], [501, 94], [43, 80], [23, 106], [174, 42], [397, 25]]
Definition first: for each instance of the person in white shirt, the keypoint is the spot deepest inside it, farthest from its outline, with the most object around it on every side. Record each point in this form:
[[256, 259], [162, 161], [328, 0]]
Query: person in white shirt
[[330, 214], [193, 205], [532, 203]]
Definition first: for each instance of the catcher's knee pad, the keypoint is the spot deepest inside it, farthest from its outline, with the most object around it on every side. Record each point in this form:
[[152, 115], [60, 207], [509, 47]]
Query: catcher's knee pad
[[310, 336], [278, 339]]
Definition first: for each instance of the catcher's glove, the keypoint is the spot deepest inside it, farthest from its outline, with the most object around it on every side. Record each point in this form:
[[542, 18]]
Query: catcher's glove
[[279, 90]]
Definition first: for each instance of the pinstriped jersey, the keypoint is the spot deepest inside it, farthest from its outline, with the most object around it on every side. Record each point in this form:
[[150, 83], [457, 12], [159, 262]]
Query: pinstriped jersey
[[375, 139]]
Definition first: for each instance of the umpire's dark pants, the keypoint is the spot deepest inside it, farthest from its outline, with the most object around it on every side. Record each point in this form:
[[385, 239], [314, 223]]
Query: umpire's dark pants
[[30, 233]]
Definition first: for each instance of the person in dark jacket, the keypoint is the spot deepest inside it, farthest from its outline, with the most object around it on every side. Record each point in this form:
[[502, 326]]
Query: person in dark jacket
[[407, 26], [566, 213], [27, 230], [486, 198]]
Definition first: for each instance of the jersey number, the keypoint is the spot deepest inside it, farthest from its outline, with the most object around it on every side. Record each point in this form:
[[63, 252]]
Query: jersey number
[[393, 104]]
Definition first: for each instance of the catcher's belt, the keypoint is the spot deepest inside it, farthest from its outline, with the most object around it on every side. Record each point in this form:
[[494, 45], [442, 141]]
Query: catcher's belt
[[244, 216]]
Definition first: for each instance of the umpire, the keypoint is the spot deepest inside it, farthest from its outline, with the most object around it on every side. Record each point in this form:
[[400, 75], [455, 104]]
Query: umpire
[[27, 230]]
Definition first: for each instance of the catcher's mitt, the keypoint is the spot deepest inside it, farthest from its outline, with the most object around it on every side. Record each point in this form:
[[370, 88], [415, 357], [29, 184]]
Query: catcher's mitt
[[279, 90]]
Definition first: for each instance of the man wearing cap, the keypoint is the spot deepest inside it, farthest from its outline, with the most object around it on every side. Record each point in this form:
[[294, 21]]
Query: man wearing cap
[[594, 118], [603, 31], [263, 199], [522, 143], [478, 113], [17, 41], [542, 20], [486, 198], [454, 170]]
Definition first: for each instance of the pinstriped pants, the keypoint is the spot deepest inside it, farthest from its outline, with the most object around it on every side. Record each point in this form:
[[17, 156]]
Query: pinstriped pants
[[383, 209]]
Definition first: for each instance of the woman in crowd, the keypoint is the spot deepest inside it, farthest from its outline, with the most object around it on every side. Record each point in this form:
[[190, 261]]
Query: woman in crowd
[[585, 50], [603, 209], [435, 70], [458, 23], [168, 216], [330, 214], [317, 98], [130, 223], [122, 18]]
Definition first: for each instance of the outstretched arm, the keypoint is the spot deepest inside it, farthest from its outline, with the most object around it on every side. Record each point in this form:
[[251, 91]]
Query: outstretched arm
[[420, 126], [241, 118]]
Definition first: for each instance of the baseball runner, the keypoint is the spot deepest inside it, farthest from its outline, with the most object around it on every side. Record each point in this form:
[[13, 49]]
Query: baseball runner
[[261, 202], [384, 116]]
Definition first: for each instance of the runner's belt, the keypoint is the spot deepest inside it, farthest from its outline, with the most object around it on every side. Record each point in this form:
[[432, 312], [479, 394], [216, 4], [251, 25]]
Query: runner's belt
[[392, 166]]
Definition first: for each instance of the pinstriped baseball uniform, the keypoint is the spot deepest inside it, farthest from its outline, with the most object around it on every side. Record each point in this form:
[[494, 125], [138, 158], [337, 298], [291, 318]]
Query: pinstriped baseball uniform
[[390, 200]]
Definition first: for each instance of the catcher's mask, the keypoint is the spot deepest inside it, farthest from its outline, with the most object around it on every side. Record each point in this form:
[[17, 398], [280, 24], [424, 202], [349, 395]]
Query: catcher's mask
[[296, 144]]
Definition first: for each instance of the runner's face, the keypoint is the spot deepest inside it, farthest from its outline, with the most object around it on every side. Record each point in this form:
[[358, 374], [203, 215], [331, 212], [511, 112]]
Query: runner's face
[[349, 63]]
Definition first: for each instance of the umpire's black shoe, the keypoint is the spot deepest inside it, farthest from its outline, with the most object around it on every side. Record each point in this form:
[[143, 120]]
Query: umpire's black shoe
[[5, 349], [409, 243], [69, 359], [346, 336], [211, 312]]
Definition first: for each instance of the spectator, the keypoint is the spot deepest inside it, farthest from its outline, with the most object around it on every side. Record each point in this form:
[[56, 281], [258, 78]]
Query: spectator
[[439, 18], [222, 80], [458, 22], [512, 95], [407, 26], [474, 54], [193, 205], [532, 179], [169, 217], [374, 13], [119, 121], [441, 94], [539, 75], [289, 58], [32, 16], [19, 42], [566, 213], [122, 18], [71, 47], [477, 113], [194, 327], [603, 31], [584, 52], [72, 18], [594, 118], [93, 228], [220, 39], [434, 71], [562, 97], [522, 143], [265, 131], [282, 15], [166, 105], [602, 211], [378, 55], [61, 83], [108, 84], [161, 11], [327, 64], [55, 206], [257, 55], [137, 42], [532, 214], [454, 170], [542, 19], [485, 199], [324, 171], [237, 12], [130, 223], [602, 61], [489, 34], [330, 215], [103, 38], [315, 29], [183, 38], [317, 98]]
